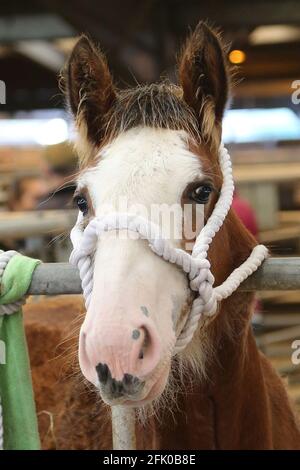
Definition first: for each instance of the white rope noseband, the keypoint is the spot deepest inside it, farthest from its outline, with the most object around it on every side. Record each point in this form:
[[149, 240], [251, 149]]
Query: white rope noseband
[[196, 265]]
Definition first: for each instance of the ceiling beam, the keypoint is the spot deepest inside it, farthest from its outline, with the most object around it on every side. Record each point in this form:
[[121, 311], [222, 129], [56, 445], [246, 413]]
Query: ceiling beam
[[122, 44], [42, 52], [238, 14], [29, 27]]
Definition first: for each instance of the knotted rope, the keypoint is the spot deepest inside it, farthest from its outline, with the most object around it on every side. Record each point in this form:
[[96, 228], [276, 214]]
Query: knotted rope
[[8, 309], [196, 265]]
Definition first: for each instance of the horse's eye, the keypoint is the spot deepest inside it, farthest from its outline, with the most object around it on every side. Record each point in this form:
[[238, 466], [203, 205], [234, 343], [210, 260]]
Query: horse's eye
[[82, 204], [201, 194]]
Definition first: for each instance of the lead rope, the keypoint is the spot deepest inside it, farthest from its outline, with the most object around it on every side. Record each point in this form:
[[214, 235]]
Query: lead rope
[[195, 265], [5, 257]]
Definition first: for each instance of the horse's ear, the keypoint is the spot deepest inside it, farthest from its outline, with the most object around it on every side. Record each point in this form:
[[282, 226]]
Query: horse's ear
[[89, 90], [204, 77]]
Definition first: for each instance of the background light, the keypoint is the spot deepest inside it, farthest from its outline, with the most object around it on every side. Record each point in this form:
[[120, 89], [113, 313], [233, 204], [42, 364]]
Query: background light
[[53, 132], [236, 56], [274, 34], [33, 131], [260, 125]]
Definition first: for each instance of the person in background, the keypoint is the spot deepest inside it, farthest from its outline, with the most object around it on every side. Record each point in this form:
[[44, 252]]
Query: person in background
[[246, 213], [61, 171], [26, 192]]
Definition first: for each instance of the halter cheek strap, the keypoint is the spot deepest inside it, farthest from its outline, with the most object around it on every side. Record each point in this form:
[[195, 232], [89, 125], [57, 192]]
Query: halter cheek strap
[[195, 265]]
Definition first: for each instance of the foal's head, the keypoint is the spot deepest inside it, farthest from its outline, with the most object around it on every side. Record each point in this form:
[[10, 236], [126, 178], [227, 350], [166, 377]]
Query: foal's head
[[152, 145]]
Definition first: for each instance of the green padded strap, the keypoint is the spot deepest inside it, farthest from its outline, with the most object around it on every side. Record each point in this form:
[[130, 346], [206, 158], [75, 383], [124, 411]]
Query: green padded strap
[[18, 407]]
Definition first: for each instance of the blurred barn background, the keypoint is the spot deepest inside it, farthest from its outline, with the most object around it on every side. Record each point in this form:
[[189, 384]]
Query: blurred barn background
[[141, 39]]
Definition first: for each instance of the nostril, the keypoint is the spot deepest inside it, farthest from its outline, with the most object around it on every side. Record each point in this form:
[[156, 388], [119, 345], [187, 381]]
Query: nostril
[[114, 387], [145, 341], [146, 354], [132, 385], [102, 372], [127, 380]]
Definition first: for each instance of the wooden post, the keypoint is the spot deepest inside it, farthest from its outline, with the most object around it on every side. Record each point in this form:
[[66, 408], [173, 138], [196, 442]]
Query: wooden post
[[123, 428]]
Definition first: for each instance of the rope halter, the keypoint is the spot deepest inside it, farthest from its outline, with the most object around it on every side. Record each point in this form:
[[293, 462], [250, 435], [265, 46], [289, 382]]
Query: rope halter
[[196, 265]]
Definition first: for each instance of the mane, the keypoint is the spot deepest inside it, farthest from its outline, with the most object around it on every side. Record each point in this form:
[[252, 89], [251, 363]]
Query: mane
[[158, 105]]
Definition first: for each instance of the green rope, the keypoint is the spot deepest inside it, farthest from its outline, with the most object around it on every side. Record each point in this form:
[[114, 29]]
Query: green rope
[[19, 413]]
